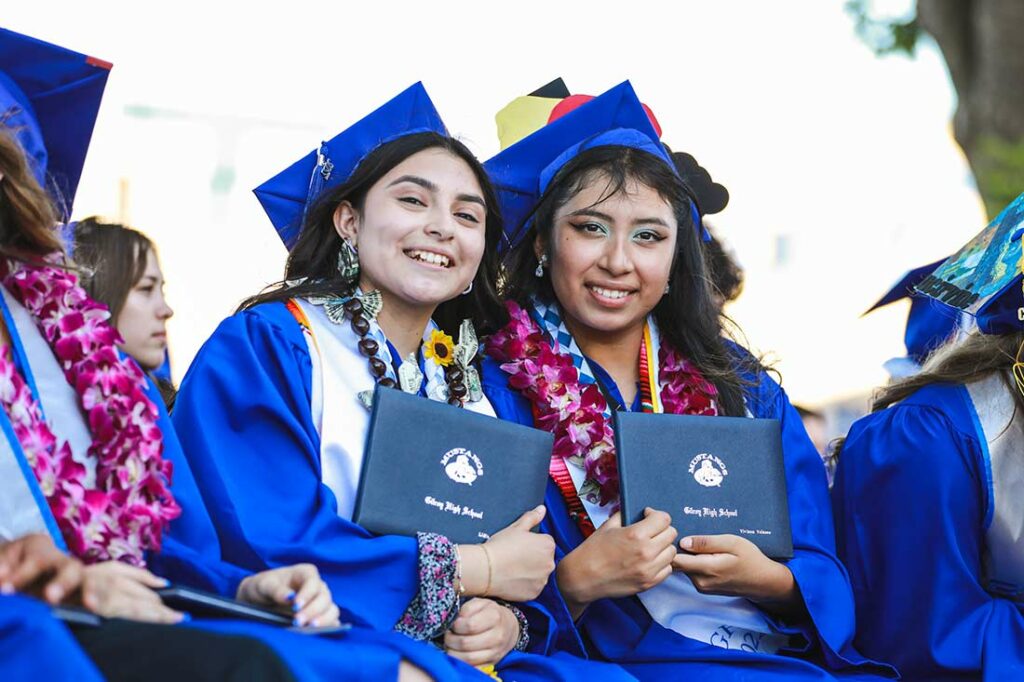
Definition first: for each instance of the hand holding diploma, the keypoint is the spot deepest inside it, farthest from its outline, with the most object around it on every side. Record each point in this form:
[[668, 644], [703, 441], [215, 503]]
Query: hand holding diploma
[[618, 561], [514, 564], [734, 566]]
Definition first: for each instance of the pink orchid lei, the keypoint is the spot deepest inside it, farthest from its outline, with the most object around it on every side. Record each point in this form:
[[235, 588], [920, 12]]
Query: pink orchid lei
[[574, 412], [131, 504]]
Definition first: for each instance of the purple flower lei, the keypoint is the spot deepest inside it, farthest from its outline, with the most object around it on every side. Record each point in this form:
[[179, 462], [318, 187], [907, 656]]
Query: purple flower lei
[[574, 412], [131, 504]]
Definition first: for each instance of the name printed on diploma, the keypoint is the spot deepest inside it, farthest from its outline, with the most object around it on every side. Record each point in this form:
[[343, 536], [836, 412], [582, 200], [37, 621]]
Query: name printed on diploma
[[711, 512], [452, 508]]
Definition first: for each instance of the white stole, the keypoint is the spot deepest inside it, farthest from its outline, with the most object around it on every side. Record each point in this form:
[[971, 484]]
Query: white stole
[[1002, 438], [340, 372], [19, 511]]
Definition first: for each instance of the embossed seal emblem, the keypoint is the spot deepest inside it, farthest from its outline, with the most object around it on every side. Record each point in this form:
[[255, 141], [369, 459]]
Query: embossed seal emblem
[[462, 466], [708, 470]]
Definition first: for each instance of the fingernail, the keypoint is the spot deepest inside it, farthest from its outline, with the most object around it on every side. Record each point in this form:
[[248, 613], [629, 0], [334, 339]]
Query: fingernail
[[539, 507], [686, 543], [6, 588], [296, 622], [55, 593], [315, 622], [185, 618], [296, 605], [291, 596], [164, 582]]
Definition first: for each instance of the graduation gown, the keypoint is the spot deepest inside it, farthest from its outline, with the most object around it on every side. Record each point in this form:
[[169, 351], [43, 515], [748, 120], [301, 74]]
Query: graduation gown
[[622, 630], [34, 645], [244, 416], [189, 552], [928, 497]]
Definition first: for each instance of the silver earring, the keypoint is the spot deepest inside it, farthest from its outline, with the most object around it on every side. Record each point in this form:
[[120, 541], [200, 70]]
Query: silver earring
[[666, 288], [348, 261], [469, 288], [539, 272]]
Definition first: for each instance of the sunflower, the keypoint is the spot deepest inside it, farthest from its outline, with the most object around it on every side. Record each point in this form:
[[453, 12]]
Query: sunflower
[[439, 347]]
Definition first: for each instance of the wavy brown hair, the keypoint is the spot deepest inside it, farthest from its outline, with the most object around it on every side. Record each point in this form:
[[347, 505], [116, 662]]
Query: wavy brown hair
[[976, 357], [113, 259], [27, 216]]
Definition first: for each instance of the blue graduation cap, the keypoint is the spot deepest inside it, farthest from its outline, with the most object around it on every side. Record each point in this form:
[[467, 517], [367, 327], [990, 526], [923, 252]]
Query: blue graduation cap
[[49, 99], [288, 195], [929, 323], [522, 172], [984, 278]]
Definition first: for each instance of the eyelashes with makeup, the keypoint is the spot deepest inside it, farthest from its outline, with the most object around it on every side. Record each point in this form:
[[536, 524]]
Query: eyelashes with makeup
[[648, 236]]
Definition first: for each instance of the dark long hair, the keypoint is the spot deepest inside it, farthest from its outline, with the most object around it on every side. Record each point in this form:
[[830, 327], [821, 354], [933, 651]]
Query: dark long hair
[[113, 257], [314, 256], [687, 316], [974, 358], [27, 215]]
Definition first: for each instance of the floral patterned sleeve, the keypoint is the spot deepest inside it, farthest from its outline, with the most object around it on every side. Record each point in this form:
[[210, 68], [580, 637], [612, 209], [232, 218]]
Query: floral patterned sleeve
[[436, 605]]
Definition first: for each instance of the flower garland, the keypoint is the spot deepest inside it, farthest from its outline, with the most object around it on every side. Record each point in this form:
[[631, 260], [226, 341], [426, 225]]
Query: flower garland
[[130, 505], [576, 413]]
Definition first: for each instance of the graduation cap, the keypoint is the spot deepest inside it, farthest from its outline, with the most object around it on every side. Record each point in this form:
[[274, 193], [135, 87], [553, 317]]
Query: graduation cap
[[288, 195], [929, 323], [49, 99], [984, 278], [522, 172]]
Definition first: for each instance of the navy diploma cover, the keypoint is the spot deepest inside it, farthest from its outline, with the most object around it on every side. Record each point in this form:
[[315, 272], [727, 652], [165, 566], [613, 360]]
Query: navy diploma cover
[[712, 475], [431, 467]]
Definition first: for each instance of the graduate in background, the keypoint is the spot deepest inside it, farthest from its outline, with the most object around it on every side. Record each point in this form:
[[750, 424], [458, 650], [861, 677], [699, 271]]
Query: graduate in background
[[121, 270], [393, 230], [611, 309], [929, 323], [928, 492]]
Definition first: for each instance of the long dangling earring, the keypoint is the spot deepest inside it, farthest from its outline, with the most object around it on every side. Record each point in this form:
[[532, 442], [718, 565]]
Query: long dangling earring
[[539, 272], [348, 260]]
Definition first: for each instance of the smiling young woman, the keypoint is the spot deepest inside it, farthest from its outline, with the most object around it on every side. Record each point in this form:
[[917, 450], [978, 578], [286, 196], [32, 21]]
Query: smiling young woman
[[611, 309]]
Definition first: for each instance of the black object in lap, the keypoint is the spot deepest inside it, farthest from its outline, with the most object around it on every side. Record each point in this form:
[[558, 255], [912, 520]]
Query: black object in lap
[[128, 650]]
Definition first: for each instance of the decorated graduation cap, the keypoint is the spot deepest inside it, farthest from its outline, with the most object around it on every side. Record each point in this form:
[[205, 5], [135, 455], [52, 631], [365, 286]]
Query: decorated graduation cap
[[984, 278], [49, 99], [522, 172], [929, 323], [287, 196]]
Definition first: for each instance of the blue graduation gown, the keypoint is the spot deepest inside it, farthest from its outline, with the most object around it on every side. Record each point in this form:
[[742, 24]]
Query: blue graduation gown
[[190, 555], [622, 631], [243, 416], [912, 498], [36, 646]]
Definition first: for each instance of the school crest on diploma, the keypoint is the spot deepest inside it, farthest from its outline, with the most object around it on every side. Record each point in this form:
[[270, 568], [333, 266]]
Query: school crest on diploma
[[462, 466], [708, 470]]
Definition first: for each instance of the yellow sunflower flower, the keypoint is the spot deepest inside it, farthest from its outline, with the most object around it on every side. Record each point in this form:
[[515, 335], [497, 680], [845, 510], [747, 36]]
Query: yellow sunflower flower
[[439, 347]]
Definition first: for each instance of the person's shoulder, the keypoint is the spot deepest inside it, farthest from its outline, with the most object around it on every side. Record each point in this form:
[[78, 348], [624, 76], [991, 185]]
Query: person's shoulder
[[271, 321], [930, 422]]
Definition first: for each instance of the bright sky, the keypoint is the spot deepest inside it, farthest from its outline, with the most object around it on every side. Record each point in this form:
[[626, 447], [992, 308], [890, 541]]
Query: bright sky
[[841, 165]]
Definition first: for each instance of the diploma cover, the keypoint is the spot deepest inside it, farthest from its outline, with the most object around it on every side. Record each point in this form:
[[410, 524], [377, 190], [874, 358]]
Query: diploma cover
[[712, 475], [432, 467]]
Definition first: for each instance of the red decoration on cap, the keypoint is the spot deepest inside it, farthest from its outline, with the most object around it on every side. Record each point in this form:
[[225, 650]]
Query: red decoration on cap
[[575, 101], [93, 61]]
